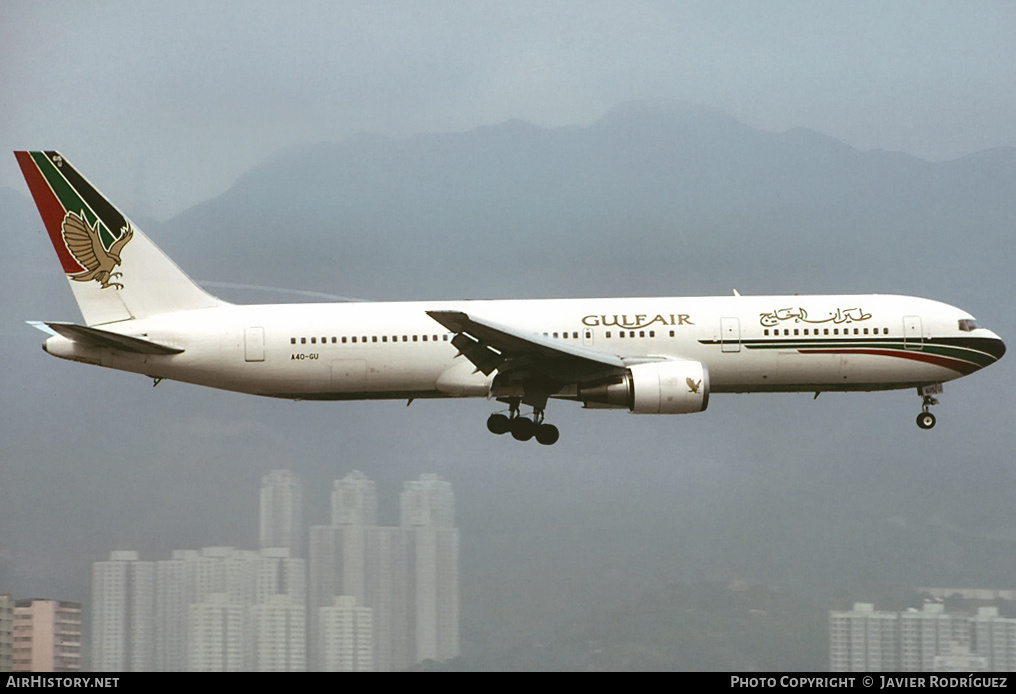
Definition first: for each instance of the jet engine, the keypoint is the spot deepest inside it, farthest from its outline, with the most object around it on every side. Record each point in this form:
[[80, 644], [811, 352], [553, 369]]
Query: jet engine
[[667, 387]]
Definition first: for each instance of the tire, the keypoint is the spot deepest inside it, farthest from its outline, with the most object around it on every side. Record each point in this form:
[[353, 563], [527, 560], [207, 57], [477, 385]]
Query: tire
[[547, 434], [498, 424], [926, 420], [523, 429]]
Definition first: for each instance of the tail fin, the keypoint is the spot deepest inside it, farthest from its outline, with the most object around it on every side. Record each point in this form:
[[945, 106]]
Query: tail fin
[[115, 272]]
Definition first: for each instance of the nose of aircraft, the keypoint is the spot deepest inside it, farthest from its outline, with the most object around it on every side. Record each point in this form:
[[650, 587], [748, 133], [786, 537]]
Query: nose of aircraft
[[995, 347]]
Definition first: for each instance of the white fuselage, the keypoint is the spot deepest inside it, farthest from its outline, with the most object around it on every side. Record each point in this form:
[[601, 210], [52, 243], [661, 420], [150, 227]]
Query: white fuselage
[[395, 350]]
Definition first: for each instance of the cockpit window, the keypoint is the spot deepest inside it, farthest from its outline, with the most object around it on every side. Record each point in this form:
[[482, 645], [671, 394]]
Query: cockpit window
[[967, 324]]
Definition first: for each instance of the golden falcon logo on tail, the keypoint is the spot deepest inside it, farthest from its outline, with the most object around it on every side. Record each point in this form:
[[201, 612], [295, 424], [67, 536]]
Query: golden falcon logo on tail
[[84, 244]]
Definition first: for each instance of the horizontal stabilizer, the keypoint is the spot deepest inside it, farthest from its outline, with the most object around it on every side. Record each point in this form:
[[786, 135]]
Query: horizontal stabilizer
[[104, 338]]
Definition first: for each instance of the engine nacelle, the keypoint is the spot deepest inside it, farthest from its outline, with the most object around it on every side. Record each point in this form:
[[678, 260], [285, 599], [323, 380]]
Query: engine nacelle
[[668, 387]]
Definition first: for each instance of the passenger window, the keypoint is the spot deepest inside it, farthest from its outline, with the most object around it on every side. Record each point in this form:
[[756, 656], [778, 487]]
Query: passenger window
[[384, 338], [424, 338], [414, 338], [652, 333], [672, 333], [343, 340], [373, 338], [555, 334], [796, 331], [292, 340], [303, 340], [608, 333], [825, 331], [621, 334], [642, 333]]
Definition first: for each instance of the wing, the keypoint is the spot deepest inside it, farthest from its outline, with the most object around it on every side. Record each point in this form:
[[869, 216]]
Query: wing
[[493, 347], [83, 242]]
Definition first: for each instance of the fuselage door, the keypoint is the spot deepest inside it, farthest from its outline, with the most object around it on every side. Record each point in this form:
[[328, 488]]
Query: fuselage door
[[730, 335], [254, 344], [913, 332]]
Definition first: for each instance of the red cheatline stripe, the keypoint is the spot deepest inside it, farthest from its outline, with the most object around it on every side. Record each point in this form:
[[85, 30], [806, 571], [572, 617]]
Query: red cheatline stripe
[[50, 209], [955, 364]]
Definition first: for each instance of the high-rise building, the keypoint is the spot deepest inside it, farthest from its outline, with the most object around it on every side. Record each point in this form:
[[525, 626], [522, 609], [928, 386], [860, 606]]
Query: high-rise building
[[47, 636], [389, 594], [282, 512], [354, 500], [346, 642], [123, 614], [995, 639], [242, 580], [432, 561], [279, 630], [6, 632], [863, 640], [215, 635], [929, 639], [929, 632], [337, 551], [407, 576], [427, 502], [175, 590]]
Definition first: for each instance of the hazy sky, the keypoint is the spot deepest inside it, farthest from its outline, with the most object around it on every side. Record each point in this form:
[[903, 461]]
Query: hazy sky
[[166, 103], [163, 105]]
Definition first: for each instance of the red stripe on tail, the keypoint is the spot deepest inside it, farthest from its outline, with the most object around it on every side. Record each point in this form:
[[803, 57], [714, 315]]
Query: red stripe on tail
[[50, 209]]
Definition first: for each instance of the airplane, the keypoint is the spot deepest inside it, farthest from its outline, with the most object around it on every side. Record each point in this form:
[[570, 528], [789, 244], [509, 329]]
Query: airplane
[[663, 355]]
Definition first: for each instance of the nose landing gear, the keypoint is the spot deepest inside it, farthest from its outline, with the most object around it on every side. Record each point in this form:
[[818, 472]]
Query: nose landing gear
[[926, 420]]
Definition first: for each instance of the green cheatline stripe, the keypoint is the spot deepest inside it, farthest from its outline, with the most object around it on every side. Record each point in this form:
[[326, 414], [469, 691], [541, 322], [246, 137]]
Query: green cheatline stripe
[[68, 197], [971, 355], [966, 354]]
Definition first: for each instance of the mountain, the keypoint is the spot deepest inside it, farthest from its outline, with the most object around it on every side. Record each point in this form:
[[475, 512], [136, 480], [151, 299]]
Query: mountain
[[779, 490], [650, 200]]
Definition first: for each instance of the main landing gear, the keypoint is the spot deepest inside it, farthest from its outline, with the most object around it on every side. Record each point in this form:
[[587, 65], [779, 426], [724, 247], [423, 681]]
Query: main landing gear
[[523, 428], [926, 420]]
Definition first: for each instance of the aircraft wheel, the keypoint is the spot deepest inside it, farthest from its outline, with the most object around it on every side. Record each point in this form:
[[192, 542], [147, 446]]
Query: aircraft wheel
[[926, 420], [523, 429], [498, 424], [547, 434]]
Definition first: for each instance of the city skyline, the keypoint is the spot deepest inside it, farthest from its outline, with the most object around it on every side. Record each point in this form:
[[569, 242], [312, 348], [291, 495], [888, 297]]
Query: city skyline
[[930, 639], [381, 598]]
